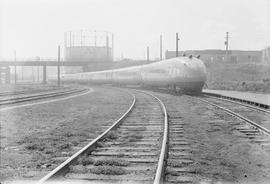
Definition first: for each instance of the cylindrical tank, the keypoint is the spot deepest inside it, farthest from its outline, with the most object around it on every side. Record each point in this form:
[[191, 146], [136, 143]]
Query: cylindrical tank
[[90, 46]]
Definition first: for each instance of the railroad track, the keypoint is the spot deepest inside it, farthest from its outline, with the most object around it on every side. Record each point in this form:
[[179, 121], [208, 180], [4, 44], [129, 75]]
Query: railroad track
[[15, 100], [132, 150], [25, 92], [148, 145], [9, 93], [254, 122]]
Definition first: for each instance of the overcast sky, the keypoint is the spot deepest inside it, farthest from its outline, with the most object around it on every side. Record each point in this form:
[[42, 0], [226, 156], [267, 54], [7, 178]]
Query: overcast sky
[[36, 27]]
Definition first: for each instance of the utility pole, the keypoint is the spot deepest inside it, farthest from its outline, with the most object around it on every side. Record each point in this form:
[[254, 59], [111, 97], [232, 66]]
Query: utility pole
[[177, 39], [160, 45], [38, 59], [107, 45], [147, 54], [15, 68], [58, 67], [95, 38], [227, 45], [112, 54]]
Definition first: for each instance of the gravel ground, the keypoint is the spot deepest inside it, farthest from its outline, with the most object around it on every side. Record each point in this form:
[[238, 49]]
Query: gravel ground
[[222, 154], [36, 139], [43, 134]]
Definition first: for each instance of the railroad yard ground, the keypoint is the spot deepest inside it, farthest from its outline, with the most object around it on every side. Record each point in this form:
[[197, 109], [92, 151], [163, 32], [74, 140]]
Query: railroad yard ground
[[221, 153], [36, 139]]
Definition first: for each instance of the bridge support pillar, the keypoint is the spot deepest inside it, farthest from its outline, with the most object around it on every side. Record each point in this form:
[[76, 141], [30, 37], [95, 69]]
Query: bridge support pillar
[[8, 75], [0, 75], [44, 74]]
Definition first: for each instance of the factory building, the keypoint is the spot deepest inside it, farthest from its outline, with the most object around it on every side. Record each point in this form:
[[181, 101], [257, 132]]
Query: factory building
[[266, 55], [215, 55], [95, 47]]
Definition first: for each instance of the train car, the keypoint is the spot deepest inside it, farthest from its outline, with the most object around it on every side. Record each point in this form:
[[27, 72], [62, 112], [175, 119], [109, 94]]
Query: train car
[[186, 73]]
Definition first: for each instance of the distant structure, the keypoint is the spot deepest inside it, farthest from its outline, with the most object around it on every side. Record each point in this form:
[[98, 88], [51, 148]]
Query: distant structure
[[266, 55], [95, 47], [4, 75], [215, 55]]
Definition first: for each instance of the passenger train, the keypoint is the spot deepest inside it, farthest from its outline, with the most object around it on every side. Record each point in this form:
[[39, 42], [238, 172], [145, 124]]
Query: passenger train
[[186, 73]]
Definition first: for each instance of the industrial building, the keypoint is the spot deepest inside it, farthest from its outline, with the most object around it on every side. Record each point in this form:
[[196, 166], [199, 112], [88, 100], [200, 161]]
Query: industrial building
[[215, 55], [266, 55]]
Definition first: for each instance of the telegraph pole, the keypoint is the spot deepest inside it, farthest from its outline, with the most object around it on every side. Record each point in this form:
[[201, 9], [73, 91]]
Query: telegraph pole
[[15, 68], [58, 67], [147, 51], [160, 45], [227, 44], [38, 70], [112, 54], [177, 39], [107, 45]]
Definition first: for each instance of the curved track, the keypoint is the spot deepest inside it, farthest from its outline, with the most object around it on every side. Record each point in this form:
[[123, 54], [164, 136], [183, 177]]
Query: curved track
[[148, 144], [40, 96], [255, 123], [133, 149], [26, 91]]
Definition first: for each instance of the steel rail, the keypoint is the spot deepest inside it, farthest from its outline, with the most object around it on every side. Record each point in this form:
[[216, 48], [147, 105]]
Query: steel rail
[[37, 97], [9, 93], [235, 102], [261, 128], [19, 92], [60, 98], [164, 147], [62, 168]]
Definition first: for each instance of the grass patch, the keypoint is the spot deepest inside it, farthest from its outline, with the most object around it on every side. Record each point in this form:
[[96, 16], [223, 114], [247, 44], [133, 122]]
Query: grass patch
[[108, 170], [77, 169], [100, 144], [173, 173], [112, 135], [35, 146], [176, 164], [65, 146], [133, 137], [110, 162], [84, 160], [68, 134]]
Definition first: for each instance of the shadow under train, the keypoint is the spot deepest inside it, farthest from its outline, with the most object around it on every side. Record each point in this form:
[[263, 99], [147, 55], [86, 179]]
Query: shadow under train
[[186, 73]]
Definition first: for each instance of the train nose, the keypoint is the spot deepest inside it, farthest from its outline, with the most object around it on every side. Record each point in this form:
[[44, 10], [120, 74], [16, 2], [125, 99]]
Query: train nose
[[197, 69]]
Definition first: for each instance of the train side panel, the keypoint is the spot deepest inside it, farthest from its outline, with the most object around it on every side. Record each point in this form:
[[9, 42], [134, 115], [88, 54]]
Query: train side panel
[[184, 72], [128, 76]]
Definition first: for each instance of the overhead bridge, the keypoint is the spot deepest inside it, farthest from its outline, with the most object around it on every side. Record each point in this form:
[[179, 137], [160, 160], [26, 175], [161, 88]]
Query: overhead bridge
[[45, 64]]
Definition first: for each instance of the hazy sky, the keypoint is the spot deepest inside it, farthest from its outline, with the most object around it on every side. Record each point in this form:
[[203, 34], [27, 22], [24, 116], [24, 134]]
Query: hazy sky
[[36, 27]]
